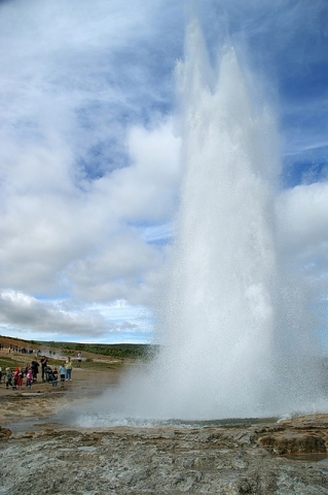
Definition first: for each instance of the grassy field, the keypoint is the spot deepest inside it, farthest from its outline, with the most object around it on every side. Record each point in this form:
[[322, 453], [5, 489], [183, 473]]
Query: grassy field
[[117, 351]]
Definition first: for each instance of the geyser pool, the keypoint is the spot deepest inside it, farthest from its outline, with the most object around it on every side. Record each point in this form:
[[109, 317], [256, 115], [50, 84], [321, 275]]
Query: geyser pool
[[237, 340]]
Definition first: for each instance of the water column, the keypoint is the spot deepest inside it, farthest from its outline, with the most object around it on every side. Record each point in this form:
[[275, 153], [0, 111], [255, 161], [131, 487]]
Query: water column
[[220, 305]]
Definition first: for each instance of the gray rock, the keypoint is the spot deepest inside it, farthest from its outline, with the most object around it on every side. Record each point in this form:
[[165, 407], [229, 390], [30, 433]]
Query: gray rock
[[169, 461]]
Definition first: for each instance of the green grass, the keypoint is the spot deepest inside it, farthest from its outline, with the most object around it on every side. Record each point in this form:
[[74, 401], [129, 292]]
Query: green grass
[[117, 351], [7, 362], [86, 364], [131, 351]]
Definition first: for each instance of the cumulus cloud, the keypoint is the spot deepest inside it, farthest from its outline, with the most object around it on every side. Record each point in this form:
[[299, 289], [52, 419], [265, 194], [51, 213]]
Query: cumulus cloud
[[78, 167], [51, 227], [303, 218], [23, 311], [31, 318]]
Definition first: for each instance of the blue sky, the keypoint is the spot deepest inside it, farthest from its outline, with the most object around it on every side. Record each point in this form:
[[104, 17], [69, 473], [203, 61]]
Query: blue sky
[[89, 155]]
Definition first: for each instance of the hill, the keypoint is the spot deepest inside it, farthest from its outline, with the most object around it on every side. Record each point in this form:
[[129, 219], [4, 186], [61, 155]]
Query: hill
[[18, 352]]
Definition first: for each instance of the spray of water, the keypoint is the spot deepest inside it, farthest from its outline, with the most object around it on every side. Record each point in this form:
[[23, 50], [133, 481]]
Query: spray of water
[[236, 340]]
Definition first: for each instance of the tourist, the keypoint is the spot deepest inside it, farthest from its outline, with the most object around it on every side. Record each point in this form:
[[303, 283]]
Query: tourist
[[68, 369], [18, 378], [55, 377], [44, 363], [9, 378], [48, 373], [29, 377], [35, 369], [79, 359], [62, 373]]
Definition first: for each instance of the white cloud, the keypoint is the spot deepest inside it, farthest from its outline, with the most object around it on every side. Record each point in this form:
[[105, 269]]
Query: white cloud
[[303, 219], [147, 189], [119, 271], [62, 320], [19, 309], [56, 235], [68, 73]]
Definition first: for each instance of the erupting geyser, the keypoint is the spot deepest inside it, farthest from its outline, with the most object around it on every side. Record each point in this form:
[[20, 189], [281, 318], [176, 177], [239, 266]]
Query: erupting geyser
[[237, 334], [236, 337]]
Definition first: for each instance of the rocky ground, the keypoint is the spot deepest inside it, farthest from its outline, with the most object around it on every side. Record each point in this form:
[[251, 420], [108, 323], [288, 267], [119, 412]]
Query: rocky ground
[[40, 455]]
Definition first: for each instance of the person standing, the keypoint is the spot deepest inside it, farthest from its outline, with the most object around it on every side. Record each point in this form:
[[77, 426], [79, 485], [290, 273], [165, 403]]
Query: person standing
[[62, 374], [55, 377], [44, 364], [9, 378], [18, 378], [29, 377], [68, 366], [35, 369], [79, 359]]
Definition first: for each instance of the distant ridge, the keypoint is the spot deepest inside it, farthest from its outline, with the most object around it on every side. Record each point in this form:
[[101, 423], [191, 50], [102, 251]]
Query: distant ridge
[[128, 350]]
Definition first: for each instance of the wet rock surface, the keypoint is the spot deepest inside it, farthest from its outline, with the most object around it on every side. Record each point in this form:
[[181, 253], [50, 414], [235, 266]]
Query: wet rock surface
[[40, 455], [121, 460]]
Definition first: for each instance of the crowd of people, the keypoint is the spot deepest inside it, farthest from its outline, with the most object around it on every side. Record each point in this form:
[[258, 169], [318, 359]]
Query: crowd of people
[[17, 378]]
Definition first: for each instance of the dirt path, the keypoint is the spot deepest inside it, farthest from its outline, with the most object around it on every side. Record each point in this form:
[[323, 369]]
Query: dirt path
[[43, 400]]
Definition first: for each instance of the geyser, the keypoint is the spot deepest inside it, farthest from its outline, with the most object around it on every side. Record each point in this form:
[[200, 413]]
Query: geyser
[[236, 334]]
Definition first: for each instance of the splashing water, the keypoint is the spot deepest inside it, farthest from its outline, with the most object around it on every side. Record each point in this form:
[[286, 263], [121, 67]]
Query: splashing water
[[236, 340]]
